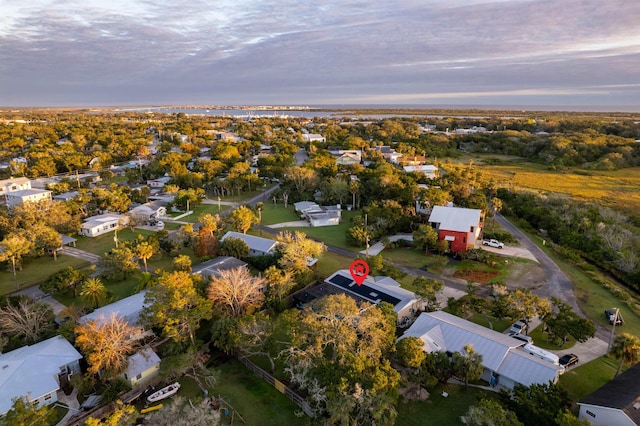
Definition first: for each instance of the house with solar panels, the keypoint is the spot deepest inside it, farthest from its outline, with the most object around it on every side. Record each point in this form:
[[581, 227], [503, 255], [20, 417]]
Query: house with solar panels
[[505, 360], [375, 290]]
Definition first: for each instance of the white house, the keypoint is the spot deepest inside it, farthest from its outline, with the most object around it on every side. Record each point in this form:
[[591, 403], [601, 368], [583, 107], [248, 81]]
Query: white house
[[376, 290], [319, 215], [504, 359], [158, 182], [14, 184], [148, 211], [142, 365], [313, 137], [429, 170], [34, 371], [258, 246], [128, 309], [16, 198], [103, 223], [616, 402]]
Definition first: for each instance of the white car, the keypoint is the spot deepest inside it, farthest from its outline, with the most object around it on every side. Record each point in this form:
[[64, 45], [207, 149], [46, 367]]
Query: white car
[[493, 243]]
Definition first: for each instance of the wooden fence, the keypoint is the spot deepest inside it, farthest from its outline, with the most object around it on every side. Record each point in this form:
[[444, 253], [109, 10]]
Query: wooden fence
[[300, 401]]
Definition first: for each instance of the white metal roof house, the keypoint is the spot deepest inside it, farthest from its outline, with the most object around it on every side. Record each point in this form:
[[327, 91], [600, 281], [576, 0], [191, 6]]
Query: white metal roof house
[[158, 182], [15, 198], [128, 309], [148, 211], [615, 403], [505, 361], [319, 215], [34, 371], [429, 170], [14, 184], [460, 226], [103, 223], [258, 246], [376, 290]]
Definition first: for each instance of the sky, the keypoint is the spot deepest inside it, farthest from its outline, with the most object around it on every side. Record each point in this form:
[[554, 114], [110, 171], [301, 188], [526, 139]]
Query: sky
[[322, 52]]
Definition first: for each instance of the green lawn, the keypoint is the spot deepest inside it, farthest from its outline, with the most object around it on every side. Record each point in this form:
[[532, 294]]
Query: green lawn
[[330, 263], [277, 214], [117, 290], [35, 271], [255, 400], [438, 410], [104, 243], [540, 339], [498, 325], [332, 235], [581, 380]]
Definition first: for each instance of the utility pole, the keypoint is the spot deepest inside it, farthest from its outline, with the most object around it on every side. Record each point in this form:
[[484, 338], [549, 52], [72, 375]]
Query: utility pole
[[613, 329], [366, 233]]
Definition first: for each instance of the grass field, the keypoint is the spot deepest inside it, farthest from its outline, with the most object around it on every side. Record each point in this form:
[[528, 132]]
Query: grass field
[[617, 189], [118, 289], [581, 380], [277, 214], [104, 243], [35, 271], [438, 410], [332, 235]]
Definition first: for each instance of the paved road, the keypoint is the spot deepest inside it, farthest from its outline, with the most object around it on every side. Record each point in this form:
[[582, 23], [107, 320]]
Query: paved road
[[558, 284]]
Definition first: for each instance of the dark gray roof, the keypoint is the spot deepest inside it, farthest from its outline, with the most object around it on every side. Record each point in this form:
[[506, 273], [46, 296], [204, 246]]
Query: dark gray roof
[[214, 266], [621, 393]]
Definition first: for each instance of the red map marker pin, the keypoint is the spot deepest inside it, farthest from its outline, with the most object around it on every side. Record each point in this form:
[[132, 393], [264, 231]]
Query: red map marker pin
[[359, 270]]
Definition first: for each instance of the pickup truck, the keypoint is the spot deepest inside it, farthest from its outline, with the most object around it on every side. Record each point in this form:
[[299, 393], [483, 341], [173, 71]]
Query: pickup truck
[[493, 243]]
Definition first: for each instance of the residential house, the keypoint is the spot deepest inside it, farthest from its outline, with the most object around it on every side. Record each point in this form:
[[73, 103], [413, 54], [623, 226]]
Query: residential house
[[148, 211], [413, 160], [258, 246], [375, 290], [461, 227], [142, 365], [213, 267], [35, 371], [504, 359], [429, 170], [346, 157], [319, 215], [313, 137], [158, 183], [14, 184], [128, 309], [66, 196], [102, 224], [16, 198], [616, 402], [388, 153]]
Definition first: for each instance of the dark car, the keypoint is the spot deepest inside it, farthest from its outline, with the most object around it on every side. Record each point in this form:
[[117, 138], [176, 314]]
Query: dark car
[[568, 360]]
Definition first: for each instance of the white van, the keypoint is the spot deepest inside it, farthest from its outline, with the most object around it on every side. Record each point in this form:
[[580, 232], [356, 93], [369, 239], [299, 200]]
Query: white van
[[541, 353]]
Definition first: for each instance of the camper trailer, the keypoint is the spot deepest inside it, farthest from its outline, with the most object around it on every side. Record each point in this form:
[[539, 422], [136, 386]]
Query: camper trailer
[[541, 353]]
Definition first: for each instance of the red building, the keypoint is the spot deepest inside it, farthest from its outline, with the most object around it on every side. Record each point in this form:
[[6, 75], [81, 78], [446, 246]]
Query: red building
[[461, 227]]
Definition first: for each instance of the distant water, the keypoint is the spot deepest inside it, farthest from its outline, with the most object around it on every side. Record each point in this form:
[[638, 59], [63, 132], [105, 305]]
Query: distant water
[[335, 110]]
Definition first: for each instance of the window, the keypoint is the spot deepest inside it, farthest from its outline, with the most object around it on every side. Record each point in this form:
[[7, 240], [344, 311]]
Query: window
[[472, 229], [47, 397], [139, 376], [591, 414]]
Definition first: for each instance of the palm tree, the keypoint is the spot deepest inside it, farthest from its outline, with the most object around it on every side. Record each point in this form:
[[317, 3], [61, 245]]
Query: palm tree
[[93, 292], [626, 349]]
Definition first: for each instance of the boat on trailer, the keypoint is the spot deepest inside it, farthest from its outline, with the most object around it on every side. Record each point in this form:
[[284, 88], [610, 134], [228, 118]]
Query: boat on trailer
[[165, 392]]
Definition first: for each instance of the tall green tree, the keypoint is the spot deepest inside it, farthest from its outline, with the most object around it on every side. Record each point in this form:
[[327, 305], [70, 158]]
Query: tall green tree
[[25, 413], [13, 248], [626, 349], [427, 290], [489, 412], [425, 237], [94, 292]]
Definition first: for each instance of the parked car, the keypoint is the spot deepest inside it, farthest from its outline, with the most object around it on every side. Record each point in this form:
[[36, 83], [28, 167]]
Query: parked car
[[568, 360], [493, 243], [519, 327], [522, 337], [610, 315]]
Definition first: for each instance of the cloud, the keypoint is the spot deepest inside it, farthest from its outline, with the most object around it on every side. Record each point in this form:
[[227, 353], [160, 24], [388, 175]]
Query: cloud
[[238, 51]]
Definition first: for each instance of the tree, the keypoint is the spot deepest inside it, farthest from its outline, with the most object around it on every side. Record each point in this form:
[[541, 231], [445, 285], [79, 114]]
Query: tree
[[427, 290], [182, 262], [523, 303], [175, 305], [489, 412], [626, 349], [65, 279], [468, 364], [566, 323], [181, 413], [118, 261], [254, 337], [144, 250], [536, 405], [94, 292], [279, 284], [259, 207], [425, 237], [410, 353], [187, 199], [123, 414], [24, 413], [14, 247], [236, 292], [296, 249], [242, 218], [496, 206], [32, 321], [234, 247], [106, 344]]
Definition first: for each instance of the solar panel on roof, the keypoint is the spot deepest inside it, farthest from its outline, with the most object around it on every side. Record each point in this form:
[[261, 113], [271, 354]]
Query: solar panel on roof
[[363, 290], [341, 281]]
